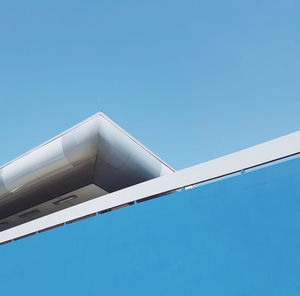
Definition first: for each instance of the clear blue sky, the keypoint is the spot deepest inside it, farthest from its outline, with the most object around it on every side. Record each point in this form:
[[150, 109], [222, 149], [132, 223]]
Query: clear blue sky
[[192, 80]]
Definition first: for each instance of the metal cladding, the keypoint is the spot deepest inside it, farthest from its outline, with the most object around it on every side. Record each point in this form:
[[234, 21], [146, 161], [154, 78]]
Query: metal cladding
[[96, 151]]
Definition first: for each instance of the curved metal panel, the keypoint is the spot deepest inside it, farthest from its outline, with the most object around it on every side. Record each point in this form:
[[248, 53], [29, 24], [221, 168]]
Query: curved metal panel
[[96, 151], [35, 166], [3, 189], [80, 144], [121, 162]]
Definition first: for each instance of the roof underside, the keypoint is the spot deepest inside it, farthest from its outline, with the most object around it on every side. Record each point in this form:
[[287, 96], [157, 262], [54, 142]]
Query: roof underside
[[92, 159]]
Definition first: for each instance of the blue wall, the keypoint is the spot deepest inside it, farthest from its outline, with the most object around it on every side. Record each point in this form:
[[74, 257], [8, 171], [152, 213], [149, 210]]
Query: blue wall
[[238, 236]]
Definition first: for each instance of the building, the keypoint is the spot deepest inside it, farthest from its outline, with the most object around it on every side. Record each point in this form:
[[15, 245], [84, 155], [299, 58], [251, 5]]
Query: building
[[229, 226]]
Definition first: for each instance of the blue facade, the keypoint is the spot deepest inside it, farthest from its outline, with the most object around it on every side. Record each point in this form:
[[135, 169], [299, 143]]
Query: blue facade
[[236, 236]]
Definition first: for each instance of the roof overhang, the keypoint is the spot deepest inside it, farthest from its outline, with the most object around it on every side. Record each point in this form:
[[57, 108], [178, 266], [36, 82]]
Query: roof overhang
[[266, 153], [94, 158]]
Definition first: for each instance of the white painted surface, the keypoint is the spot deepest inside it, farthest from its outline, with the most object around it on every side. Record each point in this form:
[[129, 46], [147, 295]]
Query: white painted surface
[[254, 156]]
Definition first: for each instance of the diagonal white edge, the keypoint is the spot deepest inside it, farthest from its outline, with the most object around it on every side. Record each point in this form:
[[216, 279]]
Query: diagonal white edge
[[254, 156]]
